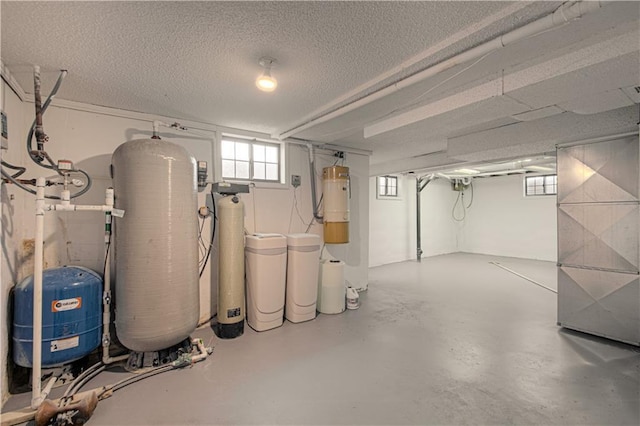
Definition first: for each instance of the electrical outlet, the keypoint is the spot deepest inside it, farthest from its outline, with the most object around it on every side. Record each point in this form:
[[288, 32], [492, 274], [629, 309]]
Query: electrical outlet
[[295, 181]]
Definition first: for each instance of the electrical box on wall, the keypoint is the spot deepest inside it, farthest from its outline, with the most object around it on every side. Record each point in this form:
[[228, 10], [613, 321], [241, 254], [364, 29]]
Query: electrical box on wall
[[459, 185], [295, 180], [5, 131], [202, 174]]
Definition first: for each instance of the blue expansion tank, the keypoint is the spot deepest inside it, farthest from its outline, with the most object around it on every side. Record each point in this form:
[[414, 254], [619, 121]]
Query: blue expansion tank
[[71, 316]]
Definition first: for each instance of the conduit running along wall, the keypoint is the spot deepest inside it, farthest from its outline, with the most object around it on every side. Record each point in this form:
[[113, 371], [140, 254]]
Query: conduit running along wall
[[335, 190], [157, 294]]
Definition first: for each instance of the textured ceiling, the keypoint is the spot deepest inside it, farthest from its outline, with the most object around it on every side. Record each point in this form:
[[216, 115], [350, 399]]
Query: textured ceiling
[[199, 60]]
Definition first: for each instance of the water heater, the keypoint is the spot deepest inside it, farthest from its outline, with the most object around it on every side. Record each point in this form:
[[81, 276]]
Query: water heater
[[156, 247], [335, 190]]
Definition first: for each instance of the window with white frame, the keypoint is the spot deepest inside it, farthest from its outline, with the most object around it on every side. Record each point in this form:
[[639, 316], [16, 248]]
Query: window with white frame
[[253, 160], [388, 186], [540, 185]]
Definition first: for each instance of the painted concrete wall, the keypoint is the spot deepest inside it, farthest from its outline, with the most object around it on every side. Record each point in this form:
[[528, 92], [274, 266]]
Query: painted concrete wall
[[500, 221], [88, 135], [503, 222], [393, 222]]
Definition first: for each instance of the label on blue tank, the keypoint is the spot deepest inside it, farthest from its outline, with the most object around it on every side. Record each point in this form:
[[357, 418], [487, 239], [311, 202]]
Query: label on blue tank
[[62, 344], [66, 304]]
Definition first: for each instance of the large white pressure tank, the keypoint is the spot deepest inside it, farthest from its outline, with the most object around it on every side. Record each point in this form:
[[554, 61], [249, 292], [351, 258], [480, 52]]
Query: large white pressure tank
[[156, 248], [231, 296], [335, 190]]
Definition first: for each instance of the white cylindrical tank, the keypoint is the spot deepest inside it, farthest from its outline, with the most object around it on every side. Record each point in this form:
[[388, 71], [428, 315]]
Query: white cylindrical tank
[[303, 261], [231, 300], [156, 248], [335, 192], [266, 266], [331, 287]]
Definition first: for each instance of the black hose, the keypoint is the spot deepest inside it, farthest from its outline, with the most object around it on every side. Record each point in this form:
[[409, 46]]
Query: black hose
[[49, 197], [20, 169], [214, 218]]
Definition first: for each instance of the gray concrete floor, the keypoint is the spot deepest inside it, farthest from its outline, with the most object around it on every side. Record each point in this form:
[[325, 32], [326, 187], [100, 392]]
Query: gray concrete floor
[[451, 340]]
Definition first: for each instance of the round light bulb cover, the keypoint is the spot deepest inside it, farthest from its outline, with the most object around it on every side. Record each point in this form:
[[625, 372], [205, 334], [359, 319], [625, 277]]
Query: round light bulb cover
[[266, 83]]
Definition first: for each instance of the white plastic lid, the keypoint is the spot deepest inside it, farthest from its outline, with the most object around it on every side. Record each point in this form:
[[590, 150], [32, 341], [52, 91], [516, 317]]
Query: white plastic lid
[[300, 240], [265, 241]]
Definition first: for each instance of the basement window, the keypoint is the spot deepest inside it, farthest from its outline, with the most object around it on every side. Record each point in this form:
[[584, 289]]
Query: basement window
[[251, 160], [540, 185], [387, 187]]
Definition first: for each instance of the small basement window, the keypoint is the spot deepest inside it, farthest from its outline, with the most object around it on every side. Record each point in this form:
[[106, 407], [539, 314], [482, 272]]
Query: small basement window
[[540, 185], [250, 160], [387, 186]]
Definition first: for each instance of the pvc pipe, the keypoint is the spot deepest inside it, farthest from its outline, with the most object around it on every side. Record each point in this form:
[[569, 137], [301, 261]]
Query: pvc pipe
[[204, 352], [37, 394], [565, 13], [48, 387], [312, 173], [418, 222], [36, 397], [65, 198], [73, 207], [106, 299], [156, 128], [106, 295]]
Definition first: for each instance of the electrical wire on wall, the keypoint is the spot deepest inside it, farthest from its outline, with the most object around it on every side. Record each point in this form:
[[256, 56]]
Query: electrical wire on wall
[[294, 205], [205, 249], [460, 201]]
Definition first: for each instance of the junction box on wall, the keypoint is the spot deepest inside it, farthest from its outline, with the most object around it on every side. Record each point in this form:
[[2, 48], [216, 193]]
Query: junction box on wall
[[460, 184]]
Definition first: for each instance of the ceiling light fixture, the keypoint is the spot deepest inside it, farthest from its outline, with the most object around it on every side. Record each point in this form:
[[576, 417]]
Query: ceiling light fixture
[[266, 82]]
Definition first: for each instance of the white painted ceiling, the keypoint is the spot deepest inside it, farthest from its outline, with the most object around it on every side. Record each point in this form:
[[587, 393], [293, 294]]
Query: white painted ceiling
[[199, 60]]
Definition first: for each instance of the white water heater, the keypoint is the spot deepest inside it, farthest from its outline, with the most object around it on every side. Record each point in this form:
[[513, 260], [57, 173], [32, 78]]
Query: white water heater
[[335, 192], [231, 295], [156, 248]]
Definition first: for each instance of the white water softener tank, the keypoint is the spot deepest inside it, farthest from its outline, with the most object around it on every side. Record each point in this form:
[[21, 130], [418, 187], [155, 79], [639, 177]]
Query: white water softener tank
[[266, 266], [231, 300], [331, 287], [303, 262], [156, 246]]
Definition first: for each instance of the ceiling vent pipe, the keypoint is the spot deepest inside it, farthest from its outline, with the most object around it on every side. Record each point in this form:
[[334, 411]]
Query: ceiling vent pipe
[[566, 12]]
